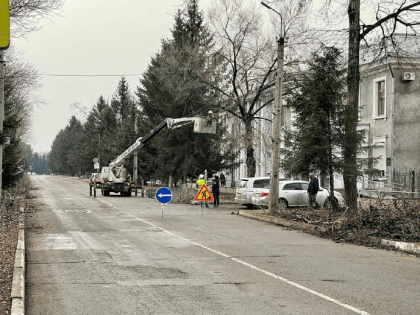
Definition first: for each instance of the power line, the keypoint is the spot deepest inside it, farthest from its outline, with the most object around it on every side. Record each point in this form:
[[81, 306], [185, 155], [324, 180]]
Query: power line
[[89, 75]]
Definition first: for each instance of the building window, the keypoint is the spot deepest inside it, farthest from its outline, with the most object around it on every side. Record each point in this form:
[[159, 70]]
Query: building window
[[379, 152], [379, 98]]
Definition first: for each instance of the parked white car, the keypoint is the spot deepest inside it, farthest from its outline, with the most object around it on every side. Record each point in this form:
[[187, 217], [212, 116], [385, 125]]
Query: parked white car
[[294, 193], [247, 187]]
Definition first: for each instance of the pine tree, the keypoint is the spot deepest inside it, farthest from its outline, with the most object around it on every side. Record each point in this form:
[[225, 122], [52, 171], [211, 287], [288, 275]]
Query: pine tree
[[57, 157], [13, 162], [65, 157], [122, 101], [317, 101], [96, 136], [180, 153]]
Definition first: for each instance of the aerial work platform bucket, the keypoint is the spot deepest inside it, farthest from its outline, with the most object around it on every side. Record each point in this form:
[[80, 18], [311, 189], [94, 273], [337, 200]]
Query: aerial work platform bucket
[[205, 125]]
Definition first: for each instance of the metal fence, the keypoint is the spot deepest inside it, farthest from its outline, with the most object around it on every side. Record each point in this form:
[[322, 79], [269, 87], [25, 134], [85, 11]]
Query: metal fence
[[404, 184], [408, 180]]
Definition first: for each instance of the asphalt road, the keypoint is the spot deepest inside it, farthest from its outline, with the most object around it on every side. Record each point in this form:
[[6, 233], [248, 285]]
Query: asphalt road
[[118, 255]]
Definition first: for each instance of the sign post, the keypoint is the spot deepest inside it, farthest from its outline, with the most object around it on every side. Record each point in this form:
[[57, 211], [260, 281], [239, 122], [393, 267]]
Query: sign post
[[163, 195], [4, 44]]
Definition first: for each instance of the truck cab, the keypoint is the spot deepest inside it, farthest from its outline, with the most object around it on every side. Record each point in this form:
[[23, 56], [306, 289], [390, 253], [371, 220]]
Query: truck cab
[[115, 180]]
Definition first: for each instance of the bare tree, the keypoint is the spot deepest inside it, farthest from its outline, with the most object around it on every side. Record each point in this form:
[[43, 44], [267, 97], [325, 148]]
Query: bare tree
[[250, 58], [25, 14], [390, 16], [240, 65], [21, 82], [22, 78]]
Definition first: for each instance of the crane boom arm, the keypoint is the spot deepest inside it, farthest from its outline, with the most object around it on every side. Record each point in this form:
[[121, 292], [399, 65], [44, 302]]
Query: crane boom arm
[[169, 122]]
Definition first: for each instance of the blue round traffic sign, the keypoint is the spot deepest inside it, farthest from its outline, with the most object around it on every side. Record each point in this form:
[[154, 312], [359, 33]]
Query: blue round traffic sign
[[163, 195]]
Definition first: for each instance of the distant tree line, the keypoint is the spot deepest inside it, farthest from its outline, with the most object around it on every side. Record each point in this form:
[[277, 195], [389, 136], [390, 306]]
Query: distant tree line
[[38, 164]]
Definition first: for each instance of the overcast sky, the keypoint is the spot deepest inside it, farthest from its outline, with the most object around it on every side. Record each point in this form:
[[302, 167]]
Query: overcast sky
[[100, 37]]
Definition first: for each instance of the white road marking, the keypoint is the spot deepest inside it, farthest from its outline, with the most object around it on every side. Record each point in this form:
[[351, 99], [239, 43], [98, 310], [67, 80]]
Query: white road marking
[[72, 211], [107, 203], [354, 309]]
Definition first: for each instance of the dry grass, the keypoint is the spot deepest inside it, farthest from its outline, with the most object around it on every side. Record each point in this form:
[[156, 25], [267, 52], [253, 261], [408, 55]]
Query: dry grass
[[375, 219]]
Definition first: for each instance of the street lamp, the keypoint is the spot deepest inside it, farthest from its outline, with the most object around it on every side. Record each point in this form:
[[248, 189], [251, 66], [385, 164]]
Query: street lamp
[[274, 174], [281, 17]]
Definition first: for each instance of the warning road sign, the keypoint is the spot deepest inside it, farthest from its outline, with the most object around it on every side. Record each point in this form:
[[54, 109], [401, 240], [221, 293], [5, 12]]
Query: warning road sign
[[204, 194]]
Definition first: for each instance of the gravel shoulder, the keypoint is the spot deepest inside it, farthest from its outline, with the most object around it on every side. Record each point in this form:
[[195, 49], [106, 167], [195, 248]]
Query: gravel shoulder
[[8, 242]]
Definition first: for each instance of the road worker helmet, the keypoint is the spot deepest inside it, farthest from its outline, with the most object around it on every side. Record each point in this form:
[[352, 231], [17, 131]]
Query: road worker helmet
[[201, 176]]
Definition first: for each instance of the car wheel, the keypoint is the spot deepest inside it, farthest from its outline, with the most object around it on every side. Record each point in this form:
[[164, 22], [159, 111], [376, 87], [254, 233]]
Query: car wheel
[[283, 203], [327, 203]]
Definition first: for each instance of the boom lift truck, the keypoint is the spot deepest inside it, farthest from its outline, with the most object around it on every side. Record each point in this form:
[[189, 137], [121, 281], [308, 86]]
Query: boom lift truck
[[114, 176]]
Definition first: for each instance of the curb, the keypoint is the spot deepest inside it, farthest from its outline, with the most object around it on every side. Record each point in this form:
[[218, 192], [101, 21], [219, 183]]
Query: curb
[[413, 248], [405, 246], [18, 282]]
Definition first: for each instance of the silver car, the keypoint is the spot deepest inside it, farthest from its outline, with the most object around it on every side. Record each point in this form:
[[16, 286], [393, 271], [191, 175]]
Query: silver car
[[247, 187], [294, 193]]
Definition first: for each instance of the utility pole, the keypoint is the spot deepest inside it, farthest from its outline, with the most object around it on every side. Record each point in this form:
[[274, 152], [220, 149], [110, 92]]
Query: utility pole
[[1, 115], [99, 154], [135, 154], [276, 128], [4, 44]]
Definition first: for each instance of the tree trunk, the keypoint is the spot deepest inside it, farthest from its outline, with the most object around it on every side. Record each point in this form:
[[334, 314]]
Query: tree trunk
[[353, 77], [333, 203], [250, 159]]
